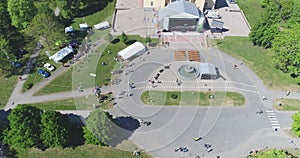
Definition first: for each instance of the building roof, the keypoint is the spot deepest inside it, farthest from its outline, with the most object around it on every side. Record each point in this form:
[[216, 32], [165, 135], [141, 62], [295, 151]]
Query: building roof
[[184, 6], [207, 68], [131, 50]]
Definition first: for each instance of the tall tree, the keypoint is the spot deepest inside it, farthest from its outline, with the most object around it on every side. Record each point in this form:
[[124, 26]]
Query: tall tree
[[264, 31], [21, 12], [4, 18], [54, 129], [5, 56], [24, 127], [44, 27], [98, 124], [68, 8], [90, 138], [287, 51], [123, 37], [296, 123]]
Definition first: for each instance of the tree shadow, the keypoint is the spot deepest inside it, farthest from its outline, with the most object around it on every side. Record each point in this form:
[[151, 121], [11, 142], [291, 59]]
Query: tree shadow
[[75, 130], [129, 42], [115, 41], [93, 8], [3, 119], [122, 129]]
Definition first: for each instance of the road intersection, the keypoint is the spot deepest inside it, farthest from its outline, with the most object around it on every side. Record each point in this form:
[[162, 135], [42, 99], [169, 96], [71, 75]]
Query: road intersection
[[232, 131]]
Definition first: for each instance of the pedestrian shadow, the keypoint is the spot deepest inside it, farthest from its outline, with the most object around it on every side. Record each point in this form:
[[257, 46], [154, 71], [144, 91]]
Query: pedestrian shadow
[[122, 129]]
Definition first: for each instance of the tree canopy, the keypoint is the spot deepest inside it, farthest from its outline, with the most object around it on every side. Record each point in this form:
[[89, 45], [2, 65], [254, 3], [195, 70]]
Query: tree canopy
[[98, 126], [31, 127], [44, 27], [4, 18], [54, 131], [24, 127], [278, 29], [21, 12]]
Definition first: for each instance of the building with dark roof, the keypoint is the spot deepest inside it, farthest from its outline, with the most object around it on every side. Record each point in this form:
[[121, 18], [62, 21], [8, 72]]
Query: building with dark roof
[[182, 16]]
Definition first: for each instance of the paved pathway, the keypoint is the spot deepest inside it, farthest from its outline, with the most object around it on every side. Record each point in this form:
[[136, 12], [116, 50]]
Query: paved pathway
[[17, 97]]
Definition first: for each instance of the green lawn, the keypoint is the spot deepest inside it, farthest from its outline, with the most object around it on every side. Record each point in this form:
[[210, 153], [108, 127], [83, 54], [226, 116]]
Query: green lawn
[[192, 98], [61, 83], [251, 9], [80, 103], [7, 86], [259, 60], [96, 17], [83, 151], [66, 104], [108, 55], [287, 104]]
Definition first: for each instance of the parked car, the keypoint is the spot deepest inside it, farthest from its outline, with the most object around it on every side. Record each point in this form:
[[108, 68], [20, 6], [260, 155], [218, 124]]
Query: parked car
[[16, 64], [44, 73], [49, 67]]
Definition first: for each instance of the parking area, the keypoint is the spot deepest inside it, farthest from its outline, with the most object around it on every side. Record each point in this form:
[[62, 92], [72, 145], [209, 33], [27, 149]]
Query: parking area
[[235, 23]]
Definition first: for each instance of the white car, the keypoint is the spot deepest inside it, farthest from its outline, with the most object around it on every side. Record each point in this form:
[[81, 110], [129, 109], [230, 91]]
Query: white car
[[49, 67]]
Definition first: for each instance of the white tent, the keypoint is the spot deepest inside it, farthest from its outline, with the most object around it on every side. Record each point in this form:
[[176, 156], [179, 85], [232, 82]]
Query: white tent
[[61, 54], [102, 26], [69, 29], [135, 49], [83, 26]]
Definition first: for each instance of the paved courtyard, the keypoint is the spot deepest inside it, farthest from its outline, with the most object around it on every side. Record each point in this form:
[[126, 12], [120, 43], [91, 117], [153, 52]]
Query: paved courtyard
[[235, 23], [136, 21]]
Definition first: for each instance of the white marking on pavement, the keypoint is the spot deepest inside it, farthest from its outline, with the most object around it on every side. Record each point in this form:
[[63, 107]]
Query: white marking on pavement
[[275, 124]]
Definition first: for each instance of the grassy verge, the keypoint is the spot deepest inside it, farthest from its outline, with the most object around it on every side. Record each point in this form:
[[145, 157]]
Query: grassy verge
[[287, 104], [7, 86], [259, 60], [96, 17], [248, 8], [63, 82], [192, 98], [83, 151], [80, 103]]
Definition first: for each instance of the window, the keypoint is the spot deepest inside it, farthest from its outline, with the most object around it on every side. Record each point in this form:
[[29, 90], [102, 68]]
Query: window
[[151, 3]]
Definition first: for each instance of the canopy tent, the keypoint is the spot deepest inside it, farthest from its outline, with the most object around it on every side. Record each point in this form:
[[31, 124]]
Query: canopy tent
[[102, 26], [69, 29], [83, 26], [208, 71], [61, 54], [135, 49]]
